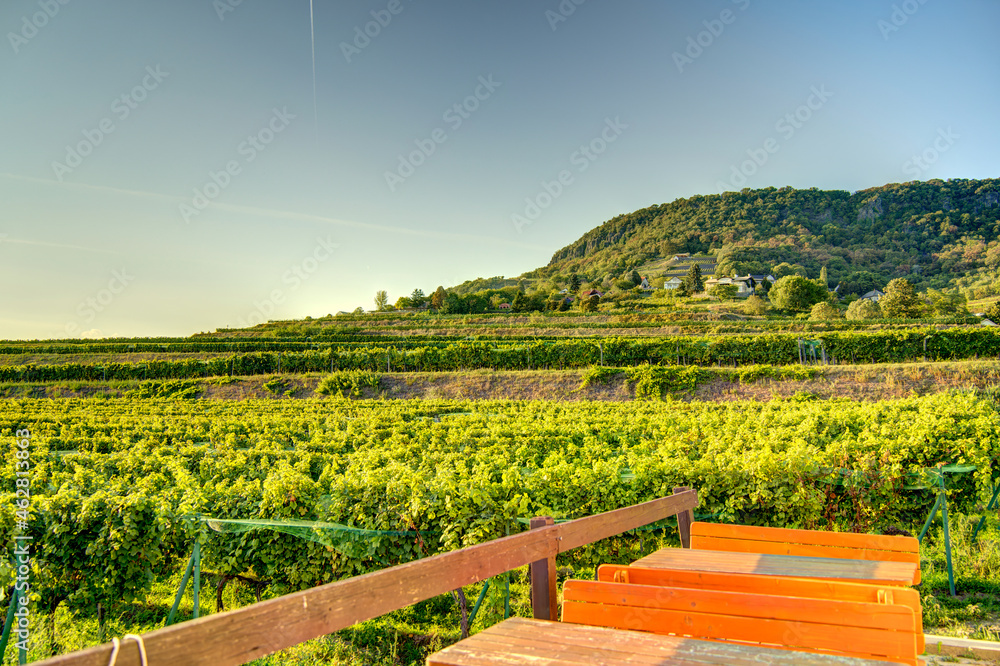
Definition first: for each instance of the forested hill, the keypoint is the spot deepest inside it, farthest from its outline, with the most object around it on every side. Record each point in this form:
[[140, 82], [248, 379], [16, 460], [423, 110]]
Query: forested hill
[[931, 232]]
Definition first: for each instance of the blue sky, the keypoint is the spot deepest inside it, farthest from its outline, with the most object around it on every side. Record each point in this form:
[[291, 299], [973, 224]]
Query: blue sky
[[166, 169]]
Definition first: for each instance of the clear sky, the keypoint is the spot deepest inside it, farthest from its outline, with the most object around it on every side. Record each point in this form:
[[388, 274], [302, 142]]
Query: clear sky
[[165, 167]]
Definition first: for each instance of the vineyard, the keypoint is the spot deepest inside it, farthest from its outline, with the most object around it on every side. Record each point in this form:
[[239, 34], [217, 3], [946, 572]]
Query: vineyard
[[129, 475], [123, 485], [888, 346]]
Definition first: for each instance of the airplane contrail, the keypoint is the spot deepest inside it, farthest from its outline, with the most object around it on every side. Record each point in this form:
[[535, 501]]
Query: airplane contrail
[[312, 35]]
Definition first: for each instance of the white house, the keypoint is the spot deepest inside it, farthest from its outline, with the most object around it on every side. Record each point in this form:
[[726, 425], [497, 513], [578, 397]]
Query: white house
[[872, 296], [673, 283]]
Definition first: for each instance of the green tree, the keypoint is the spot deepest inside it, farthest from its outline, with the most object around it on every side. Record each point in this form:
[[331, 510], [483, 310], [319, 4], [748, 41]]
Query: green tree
[[859, 282], [693, 279], [682, 290], [417, 298], [863, 309], [520, 303], [724, 292], [403, 302], [574, 282], [475, 304], [589, 303], [784, 269], [900, 300], [755, 306], [381, 300], [453, 304], [635, 278], [822, 278], [945, 303], [358, 310], [796, 293], [437, 298], [993, 312], [823, 311]]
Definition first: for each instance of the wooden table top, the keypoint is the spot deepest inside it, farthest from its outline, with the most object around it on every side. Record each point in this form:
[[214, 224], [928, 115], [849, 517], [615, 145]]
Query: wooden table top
[[543, 643], [868, 571]]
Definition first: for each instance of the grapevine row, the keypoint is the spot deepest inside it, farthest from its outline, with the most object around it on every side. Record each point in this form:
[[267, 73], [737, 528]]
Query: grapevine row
[[778, 349]]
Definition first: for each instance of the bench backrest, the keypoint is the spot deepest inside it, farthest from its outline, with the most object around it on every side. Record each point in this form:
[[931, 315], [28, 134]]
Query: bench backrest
[[850, 628], [774, 585], [808, 543]]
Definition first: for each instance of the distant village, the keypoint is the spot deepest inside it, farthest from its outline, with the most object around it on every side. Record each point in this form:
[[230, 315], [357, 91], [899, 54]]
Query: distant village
[[681, 275]]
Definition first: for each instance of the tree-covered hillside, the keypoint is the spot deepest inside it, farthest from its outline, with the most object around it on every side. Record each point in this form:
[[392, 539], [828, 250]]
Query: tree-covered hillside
[[936, 233]]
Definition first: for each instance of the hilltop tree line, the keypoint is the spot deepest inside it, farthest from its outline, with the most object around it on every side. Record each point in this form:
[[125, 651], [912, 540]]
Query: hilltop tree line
[[935, 234]]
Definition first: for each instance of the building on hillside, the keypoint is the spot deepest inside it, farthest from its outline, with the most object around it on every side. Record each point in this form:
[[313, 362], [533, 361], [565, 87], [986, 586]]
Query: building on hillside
[[504, 306], [644, 285], [679, 257], [673, 283], [757, 280], [593, 292], [872, 296], [742, 285]]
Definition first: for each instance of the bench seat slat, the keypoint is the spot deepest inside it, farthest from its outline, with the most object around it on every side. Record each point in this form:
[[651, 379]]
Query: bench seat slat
[[853, 628], [814, 537], [806, 543], [760, 606], [887, 573]]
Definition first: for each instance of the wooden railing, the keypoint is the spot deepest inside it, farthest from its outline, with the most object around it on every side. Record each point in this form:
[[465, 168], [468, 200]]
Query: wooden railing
[[238, 636]]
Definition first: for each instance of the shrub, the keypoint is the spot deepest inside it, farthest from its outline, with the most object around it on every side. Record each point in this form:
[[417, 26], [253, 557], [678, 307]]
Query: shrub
[[755, 306], [351, 381], [863, 309], [823, 311]]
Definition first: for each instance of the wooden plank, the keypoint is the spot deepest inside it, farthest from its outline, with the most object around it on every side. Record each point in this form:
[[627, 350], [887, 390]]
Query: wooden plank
[[857, 642], [815, 537], [858, 628], [240, 635], [808, 543], [804, 549], [848, 614], [544, 605], [520, 641], [684, 521], [808, 550], [649, 643], [889, 573], [776, 585]]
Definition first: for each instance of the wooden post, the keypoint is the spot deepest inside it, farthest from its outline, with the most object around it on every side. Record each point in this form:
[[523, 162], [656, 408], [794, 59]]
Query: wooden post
[[684, 520], [543, 580]]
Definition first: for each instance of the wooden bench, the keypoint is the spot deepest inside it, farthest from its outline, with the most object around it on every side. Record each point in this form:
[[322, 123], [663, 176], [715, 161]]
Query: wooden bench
[[774, 585], [808, 543], [848, 628], [541, 642]]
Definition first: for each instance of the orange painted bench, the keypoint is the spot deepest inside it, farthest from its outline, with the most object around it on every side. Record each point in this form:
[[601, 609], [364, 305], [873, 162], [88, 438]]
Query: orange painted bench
[[774, 585], [807, 543], [825, 626]]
